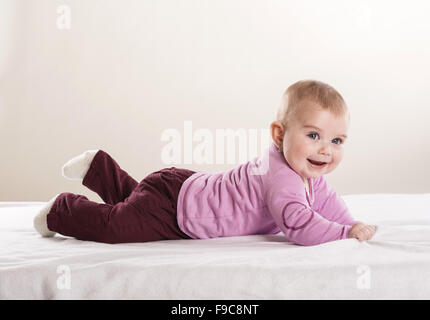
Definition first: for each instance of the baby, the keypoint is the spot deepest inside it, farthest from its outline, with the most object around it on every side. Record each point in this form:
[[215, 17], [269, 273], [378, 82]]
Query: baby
[[282, 190]]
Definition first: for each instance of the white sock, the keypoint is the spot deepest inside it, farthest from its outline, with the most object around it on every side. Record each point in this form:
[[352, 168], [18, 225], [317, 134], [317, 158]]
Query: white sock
[[40, 223], [77, 167]]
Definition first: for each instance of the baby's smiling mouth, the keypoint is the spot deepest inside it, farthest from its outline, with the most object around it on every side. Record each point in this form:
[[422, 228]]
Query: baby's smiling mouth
[[317, 163]]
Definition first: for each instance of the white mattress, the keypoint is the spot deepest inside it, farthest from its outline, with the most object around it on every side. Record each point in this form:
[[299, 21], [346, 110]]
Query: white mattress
[[395, 264]]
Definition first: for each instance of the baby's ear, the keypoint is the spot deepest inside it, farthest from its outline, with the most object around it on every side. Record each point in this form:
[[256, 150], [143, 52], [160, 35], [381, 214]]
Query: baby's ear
[[277, 131]]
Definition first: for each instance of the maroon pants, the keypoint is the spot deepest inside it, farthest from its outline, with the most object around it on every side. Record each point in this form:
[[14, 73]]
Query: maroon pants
[[132, 212]]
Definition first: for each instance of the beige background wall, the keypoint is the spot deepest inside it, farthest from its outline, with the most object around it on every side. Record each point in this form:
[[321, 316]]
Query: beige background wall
[[126, 71]]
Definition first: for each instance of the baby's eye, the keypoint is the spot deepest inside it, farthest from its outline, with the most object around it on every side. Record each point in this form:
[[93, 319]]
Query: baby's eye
[[337, 141], [313, 135]]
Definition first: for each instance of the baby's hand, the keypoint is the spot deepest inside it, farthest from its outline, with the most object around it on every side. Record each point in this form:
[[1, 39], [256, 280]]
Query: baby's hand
[[362, 231]]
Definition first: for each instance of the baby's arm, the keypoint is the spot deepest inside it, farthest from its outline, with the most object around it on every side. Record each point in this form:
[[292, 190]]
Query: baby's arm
[[332, 207], [300, 223], [329, 204]]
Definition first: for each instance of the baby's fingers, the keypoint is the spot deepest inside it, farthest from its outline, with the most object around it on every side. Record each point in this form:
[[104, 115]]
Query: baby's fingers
[[370, 230], [359, 235], [366, 233], [363, 234]]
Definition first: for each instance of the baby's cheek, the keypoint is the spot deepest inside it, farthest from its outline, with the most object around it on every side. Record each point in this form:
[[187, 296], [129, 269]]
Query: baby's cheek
[[337, 157], [333, 165]]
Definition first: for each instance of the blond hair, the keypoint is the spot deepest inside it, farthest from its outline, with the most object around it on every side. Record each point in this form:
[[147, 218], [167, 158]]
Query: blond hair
[[314, 91]]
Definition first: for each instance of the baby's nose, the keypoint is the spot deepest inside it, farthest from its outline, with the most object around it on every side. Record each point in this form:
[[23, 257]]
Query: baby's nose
[[325, 149]]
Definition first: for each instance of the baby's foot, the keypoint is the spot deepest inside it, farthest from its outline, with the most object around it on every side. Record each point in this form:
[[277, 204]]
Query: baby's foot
[[77, 167], [39, 221]]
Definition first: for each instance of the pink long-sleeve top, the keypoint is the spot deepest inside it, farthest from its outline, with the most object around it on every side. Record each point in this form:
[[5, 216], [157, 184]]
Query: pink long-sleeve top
[[262, 196]]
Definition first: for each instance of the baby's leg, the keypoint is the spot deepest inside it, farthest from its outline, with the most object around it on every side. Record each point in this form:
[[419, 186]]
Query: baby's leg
[[101, 174], [75, 216], [108, 180], [148, 214]]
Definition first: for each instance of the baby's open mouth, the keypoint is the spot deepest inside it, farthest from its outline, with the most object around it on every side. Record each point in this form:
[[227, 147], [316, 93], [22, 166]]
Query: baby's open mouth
[[317, 163]]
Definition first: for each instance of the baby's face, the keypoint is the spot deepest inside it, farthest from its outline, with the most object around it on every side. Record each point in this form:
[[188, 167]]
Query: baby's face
[[313, 143]]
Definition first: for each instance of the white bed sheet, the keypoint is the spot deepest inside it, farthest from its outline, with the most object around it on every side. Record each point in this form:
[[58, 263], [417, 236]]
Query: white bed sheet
[[395, 264]]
